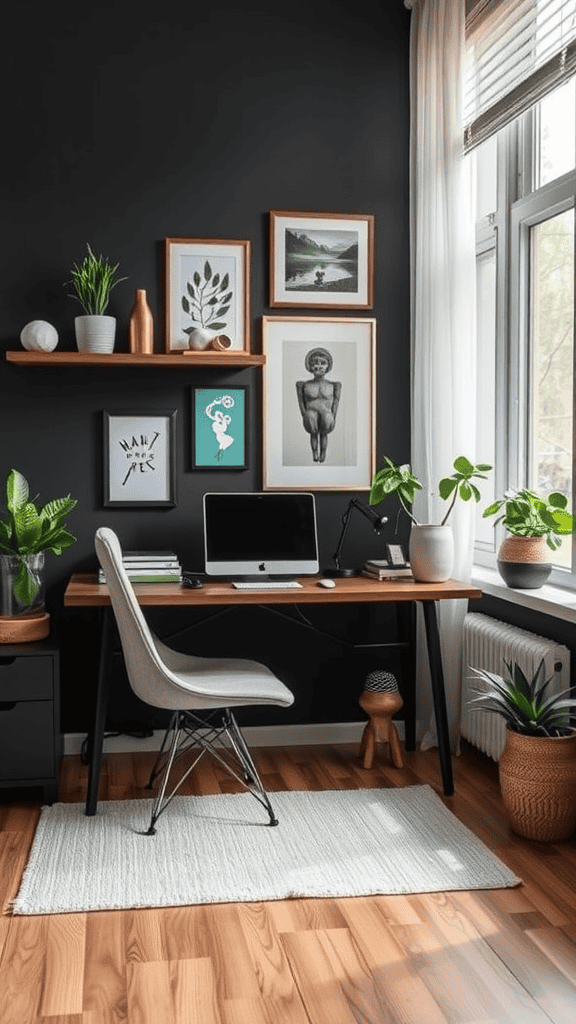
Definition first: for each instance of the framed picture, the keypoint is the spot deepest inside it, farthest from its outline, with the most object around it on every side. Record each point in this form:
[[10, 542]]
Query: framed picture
[[321, 259], [207, 290], [319, 403], [139, 459], [219, 420]]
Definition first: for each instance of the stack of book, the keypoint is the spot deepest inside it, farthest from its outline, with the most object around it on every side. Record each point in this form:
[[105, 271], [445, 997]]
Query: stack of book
[[382, 569], [149, 567]]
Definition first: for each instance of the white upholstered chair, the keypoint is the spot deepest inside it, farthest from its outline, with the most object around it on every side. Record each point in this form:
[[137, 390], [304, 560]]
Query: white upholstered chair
[[200, 692]]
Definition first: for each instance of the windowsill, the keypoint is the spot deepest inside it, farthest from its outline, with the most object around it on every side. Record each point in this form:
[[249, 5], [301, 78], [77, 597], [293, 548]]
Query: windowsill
[[548, 599]]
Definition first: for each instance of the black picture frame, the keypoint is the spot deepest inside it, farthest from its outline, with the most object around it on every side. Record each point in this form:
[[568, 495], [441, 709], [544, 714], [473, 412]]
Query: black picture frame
[[219, 420], [136, 447]]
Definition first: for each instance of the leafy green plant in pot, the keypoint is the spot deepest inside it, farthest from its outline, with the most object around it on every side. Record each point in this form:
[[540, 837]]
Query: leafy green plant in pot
[[431, 548], [533, 524], [27, 531], [537, 766], [93, 280]]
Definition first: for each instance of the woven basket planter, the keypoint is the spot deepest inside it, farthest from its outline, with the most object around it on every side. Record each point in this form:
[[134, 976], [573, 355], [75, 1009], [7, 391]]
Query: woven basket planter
[[538, 784]]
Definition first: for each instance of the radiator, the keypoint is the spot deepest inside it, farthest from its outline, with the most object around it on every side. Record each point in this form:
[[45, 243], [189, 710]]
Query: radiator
[[488, 644]]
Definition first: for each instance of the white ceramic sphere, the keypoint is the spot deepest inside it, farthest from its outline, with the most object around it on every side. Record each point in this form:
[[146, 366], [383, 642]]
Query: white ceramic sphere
[[39, 336], [200, 338]]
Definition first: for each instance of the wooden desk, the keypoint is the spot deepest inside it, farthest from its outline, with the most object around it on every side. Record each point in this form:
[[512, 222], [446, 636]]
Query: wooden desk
[[83, 592]]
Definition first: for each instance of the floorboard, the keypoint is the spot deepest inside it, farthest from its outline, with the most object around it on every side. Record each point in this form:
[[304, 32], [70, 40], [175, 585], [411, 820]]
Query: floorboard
[[488, 957]]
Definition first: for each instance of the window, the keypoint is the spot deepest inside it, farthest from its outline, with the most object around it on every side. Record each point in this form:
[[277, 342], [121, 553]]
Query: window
[[525, 185]]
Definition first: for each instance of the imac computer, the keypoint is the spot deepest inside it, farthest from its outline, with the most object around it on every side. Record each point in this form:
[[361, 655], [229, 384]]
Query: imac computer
[[259, 536]]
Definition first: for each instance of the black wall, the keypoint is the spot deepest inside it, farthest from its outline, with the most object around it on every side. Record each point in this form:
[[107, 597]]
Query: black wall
[[124, 124]]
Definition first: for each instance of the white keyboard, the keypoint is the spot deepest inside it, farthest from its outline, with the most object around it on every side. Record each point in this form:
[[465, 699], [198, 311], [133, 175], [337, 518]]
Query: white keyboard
[[267, 585]]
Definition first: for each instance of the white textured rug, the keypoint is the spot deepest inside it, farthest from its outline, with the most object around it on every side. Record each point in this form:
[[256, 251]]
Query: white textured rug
[[218, 849]]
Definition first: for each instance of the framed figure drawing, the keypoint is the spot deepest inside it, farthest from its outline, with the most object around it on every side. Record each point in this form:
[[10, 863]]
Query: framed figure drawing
[[139, 459], [207, 293], [219, 419], [321, 260], [319, 403]]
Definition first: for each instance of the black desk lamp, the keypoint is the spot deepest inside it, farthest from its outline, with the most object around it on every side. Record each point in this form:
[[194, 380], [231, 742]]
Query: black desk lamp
[[377, 522]]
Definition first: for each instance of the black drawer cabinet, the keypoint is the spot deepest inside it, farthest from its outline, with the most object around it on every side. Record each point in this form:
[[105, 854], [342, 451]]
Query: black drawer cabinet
[[30, 734]]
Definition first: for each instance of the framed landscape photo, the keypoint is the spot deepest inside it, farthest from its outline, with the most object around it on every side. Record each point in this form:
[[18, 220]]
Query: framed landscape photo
[[207, 288], [139, 459], [319, 416], [321, 259], [219, 421]]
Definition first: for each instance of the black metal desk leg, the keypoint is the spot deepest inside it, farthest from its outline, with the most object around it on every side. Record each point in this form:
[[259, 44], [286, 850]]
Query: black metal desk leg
[[438, 693], [96, 736]]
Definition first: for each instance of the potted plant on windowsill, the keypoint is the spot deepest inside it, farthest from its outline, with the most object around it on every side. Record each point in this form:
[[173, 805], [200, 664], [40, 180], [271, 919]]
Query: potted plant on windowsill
[[27, 531], [533, 524], [93, 280], [537, 766], [431, 546]]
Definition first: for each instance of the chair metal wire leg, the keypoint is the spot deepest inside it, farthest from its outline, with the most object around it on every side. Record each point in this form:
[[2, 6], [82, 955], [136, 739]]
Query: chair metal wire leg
[[157, 806], [245, 758], [190, 730], [157, 763]]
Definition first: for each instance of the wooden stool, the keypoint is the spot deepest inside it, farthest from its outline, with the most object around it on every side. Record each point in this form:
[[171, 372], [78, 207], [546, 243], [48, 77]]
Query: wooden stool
[[380, 700]]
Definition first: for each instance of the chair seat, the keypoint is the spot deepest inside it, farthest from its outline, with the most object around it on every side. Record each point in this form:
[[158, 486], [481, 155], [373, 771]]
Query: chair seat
[[219, 682]]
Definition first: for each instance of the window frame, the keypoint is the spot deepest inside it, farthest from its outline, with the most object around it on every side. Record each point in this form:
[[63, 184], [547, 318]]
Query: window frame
[[520, 205]]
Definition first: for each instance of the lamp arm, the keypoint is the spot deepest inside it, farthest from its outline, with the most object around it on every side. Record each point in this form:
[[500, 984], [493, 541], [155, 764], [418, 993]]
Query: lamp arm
[[376, 520], [345, 521]]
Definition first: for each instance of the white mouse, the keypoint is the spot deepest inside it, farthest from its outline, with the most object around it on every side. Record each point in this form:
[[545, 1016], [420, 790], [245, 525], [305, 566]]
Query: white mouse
[[326, 583]]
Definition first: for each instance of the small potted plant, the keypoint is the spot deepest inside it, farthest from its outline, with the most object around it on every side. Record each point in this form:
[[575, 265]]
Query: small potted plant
[[431, 547], [27, 531], [533, 523], [537, 766], [93, 280]]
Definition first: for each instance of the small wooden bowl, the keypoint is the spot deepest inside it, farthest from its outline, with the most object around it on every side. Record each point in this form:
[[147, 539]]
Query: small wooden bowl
[[23, 629]]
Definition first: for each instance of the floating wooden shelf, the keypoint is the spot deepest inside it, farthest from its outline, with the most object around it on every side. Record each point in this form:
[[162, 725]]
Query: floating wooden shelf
[[176, 360]]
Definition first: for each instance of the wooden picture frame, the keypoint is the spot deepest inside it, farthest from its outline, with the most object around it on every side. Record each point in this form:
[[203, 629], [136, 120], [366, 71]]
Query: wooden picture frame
[[220, 427], [139, 459], [319, 433], [321, 260], [207, 286]]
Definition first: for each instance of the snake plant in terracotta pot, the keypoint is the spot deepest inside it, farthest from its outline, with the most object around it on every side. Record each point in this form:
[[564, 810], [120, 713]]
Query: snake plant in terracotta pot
[[537, 766], [533, 524], [431, 546], [27, 531]]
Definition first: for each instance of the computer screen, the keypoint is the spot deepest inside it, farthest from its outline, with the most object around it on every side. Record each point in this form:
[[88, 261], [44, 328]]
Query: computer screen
[[261, 534]]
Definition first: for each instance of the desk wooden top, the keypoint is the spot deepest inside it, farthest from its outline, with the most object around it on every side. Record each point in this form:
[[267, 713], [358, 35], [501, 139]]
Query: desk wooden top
[[83, 591]]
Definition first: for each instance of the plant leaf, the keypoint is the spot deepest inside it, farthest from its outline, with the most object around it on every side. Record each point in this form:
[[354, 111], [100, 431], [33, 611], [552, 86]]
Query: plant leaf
[[463, 465], [447, 486]]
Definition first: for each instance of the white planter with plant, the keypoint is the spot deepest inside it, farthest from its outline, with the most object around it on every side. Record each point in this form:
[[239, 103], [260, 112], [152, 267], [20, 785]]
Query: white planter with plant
[[431, 546], [27, 531], [537, 767], [93, 280], [535, 526]]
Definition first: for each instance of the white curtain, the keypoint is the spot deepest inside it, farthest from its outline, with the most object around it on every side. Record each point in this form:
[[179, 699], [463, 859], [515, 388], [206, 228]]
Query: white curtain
[[443, 313]]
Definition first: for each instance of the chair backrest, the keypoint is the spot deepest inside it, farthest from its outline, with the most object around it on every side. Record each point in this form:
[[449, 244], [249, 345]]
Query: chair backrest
[[147, 673]]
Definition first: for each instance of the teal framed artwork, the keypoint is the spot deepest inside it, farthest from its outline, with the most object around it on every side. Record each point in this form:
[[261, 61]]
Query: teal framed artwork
[[219, 418]]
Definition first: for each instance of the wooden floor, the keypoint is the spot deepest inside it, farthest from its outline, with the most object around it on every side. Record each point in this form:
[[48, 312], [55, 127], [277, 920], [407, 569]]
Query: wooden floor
[[492, 957]]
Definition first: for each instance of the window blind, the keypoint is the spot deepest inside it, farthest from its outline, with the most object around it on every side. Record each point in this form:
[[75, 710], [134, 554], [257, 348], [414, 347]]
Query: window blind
[[516, 52]]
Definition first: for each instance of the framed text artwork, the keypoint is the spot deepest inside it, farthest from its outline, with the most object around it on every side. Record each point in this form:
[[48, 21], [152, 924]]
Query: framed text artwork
[[321, 259], [319, 403], [139, 459], [219, 419], [207, 294]]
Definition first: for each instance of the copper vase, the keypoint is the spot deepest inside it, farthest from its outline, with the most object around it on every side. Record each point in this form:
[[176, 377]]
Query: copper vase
[[141, 325]]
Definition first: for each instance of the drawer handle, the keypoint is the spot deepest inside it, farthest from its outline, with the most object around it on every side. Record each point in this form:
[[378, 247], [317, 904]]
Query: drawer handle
[[7, 705]]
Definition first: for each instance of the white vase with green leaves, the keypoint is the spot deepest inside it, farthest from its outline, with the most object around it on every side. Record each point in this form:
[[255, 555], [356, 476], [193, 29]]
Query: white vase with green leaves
[[27, 531], [431, 545], [93, 280]]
